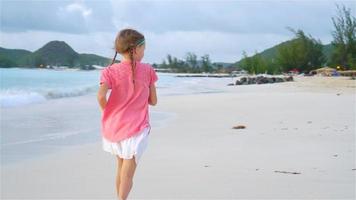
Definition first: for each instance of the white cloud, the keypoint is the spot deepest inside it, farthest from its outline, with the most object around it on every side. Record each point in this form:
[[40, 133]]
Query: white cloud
[[222, 29], [79, 7], [221, 46]]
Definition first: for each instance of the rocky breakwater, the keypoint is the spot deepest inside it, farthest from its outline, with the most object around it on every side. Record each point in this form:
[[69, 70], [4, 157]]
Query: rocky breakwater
[[261, 79]]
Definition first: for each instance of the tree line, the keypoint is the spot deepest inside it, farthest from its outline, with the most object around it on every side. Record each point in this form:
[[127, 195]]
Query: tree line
[[191, 64], [303, 53]]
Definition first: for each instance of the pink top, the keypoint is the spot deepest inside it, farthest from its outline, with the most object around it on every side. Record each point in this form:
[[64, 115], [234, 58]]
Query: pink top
[[126, 111]]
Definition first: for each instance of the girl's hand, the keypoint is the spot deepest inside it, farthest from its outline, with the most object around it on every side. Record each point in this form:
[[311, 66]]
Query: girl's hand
[[152, 100], [101, 96]]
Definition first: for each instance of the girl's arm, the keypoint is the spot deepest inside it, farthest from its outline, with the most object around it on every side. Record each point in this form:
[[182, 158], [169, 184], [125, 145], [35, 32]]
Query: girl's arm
[[101, 96], [153, 96]]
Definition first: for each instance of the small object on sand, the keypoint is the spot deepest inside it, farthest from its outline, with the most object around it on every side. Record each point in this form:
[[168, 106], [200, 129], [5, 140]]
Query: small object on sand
[[206, 166], [257, 169], [353, 169], [239, 127], [338, 94], [309, 122], [335, 155], [285, 172]]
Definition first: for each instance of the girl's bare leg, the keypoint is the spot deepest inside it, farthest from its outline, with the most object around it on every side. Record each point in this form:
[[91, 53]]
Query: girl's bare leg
[[126, 177], [119, 165]]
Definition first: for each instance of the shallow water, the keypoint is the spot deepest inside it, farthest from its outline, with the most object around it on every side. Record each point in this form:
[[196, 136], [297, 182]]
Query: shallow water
[[43, 111], [32, 86]]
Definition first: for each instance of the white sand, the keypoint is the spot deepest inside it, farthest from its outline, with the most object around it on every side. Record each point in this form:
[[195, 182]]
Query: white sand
[[301, 126]]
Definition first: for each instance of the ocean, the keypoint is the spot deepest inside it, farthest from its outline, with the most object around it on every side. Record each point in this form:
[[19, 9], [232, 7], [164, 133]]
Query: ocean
[[31, 86], [44, 110]]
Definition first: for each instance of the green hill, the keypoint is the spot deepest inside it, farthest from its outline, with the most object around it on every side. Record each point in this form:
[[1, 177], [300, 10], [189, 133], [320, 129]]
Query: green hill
[[54, 53], [12, 57], [271, 53], [92, 59]]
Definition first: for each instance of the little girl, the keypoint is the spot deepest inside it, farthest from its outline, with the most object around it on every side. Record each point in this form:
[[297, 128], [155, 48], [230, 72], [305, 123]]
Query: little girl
[[125, 122]]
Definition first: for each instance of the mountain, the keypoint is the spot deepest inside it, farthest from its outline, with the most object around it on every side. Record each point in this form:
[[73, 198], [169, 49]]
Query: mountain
[[12, 57], [54, 53], [271, 53]]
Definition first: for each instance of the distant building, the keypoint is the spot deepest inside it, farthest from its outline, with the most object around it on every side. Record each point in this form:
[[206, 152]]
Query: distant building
[[293, 71]]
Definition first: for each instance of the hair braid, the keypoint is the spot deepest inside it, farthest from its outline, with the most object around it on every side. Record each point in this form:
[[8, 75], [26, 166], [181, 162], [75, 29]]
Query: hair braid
[[113, 60], [126, 42], [133, 65]]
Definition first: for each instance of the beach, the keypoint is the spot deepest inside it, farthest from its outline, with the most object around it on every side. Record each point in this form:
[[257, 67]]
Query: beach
[[299, 143]]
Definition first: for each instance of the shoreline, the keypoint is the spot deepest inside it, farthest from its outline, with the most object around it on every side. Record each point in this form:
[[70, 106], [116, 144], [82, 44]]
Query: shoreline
[[302, 127], [53, 129]]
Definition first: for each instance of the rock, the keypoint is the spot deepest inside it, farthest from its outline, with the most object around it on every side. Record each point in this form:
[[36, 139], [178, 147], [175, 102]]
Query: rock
[[262, 79], [239, 127], [278, 80], [287, 172], [271, 80], [290, 78]]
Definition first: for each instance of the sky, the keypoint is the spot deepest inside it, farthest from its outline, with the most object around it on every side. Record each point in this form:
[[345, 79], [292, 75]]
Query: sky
[[223, 29]]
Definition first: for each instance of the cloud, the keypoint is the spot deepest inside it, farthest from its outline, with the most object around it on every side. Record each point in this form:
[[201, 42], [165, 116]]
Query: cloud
[[226, 16], [58, 16], [221, 46], [222, 29], [78, 7]]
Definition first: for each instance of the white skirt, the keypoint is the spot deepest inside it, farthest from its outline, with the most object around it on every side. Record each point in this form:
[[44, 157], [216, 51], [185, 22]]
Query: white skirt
[[126, 149]]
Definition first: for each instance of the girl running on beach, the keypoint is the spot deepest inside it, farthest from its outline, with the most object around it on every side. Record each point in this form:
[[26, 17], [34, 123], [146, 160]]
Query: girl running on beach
[[125, 124]]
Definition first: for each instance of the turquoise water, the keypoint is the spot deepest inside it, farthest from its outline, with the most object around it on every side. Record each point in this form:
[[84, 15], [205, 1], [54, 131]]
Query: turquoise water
[[28, 86], [39, 114]]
